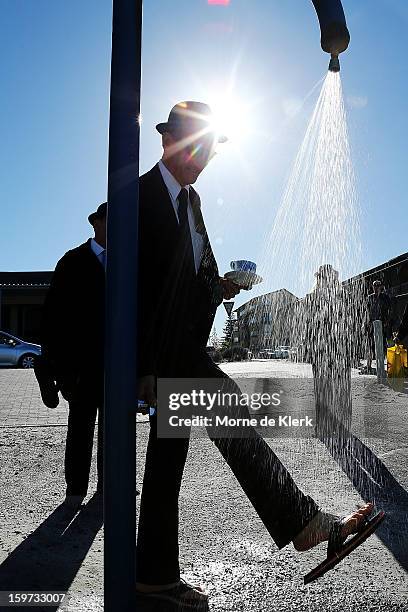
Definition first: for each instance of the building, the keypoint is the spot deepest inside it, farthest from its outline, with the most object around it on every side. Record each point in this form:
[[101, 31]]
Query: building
[[267, 321], [262, 322], [394, 275], [22, 295]]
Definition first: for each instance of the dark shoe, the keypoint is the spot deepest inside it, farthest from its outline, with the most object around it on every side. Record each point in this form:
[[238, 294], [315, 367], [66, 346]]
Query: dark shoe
[[184, 596]]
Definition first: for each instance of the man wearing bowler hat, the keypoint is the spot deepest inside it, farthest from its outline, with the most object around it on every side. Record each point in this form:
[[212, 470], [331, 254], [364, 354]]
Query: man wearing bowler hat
[[326, 329], [73, 341], [179, 290]]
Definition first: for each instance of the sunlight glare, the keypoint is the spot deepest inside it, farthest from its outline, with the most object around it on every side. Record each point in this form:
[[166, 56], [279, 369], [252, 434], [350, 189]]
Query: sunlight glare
[[231, 118]]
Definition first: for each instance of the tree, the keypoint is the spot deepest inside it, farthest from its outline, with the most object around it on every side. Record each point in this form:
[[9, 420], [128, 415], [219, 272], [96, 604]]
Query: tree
[[227, 333], [214, 340]]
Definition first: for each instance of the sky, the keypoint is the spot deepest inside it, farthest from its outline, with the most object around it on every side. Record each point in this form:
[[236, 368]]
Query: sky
[[259, 59]]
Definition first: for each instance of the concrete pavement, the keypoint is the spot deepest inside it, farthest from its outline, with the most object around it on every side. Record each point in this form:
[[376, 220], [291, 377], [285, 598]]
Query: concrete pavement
[[223, 543]]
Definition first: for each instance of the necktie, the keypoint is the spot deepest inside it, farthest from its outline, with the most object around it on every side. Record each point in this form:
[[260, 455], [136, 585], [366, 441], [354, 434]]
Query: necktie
[[182, 207], [102, 257], [185, 234]]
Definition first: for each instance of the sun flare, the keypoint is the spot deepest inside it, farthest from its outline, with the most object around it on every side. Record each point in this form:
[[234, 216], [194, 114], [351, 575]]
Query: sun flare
[[231, 118]]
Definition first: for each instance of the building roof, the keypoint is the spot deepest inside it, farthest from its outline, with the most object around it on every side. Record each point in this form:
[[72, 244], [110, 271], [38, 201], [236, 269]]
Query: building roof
[[396, 261], [25, 279], [268, 296]]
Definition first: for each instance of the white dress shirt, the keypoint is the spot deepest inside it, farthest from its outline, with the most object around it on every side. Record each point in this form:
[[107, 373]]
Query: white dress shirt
[[173, 187], [98, 250]]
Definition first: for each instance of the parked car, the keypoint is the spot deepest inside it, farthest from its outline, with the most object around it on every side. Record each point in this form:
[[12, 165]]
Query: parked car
[[235, 353], [17, 352], [282, 352], [267, 354]]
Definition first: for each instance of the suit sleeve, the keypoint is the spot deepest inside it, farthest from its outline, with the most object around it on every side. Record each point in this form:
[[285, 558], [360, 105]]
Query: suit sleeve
[[147, 291], [57, 333]]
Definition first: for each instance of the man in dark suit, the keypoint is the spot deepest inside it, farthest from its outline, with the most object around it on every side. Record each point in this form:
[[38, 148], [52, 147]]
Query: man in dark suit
[[73, 345], [378, 308], [179, 291], [402, 332]]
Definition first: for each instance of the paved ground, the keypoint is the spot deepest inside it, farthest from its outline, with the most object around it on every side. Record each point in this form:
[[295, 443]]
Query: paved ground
[[223, 543]]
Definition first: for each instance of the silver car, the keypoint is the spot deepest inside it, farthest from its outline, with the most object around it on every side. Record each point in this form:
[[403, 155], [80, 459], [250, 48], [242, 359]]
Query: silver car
[[16, 352]]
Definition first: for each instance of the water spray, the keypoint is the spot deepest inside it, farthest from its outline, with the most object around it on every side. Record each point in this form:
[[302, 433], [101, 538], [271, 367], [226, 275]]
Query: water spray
[[335, 36]]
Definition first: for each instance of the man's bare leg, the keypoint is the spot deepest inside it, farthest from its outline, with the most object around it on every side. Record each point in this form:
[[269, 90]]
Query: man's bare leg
[[319, 527]]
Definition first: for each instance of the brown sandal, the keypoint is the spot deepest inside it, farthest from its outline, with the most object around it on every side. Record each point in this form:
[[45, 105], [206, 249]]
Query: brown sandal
[[339, 547]]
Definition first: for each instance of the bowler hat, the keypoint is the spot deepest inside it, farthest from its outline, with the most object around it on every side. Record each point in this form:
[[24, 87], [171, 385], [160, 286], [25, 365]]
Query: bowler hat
[[191, 117], [326, 271], [100, 213]]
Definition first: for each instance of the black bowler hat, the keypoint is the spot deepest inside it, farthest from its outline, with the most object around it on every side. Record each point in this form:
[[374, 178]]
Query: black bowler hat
[[191, 117], [100, 213], [327, 271]]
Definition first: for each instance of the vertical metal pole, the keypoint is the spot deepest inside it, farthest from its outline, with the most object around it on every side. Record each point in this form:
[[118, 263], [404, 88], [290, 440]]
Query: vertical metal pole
[[121, 293], [379, 350]]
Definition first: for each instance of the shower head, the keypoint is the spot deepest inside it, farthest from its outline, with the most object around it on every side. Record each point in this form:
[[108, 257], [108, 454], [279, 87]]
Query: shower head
[[334, 65]]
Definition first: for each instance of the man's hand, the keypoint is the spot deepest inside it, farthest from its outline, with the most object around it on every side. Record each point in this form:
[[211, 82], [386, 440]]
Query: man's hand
[[68, 385], [146, 392], [229, 289]]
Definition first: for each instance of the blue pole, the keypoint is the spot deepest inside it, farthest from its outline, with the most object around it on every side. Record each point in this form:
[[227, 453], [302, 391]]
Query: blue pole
[[121, 293]]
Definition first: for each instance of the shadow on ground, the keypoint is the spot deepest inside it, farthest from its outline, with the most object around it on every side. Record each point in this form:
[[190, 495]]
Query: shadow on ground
[[368, 474], [375, 483], [400, 385], [50, 557]]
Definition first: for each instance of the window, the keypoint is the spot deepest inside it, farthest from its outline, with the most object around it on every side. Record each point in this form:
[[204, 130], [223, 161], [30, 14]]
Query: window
[[6, 340]]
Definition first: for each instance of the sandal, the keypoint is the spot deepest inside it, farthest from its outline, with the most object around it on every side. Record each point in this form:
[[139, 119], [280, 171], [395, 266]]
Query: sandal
[[339, 546]]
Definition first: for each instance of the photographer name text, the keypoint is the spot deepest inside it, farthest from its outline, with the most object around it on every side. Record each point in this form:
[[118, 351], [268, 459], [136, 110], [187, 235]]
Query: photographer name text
[[228, 421]]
